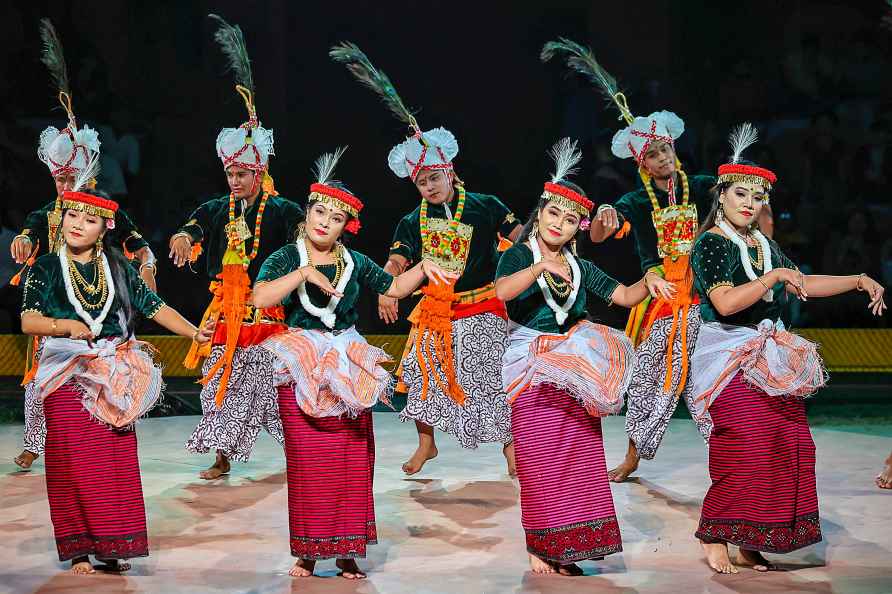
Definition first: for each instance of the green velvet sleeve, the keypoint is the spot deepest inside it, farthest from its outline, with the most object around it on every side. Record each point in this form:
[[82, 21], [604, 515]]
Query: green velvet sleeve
[[38, 285], [284, 260], [370, 275], [127, 231], [513, 260], [700, 195], [627, 210], [35, 225], [711, 263], [407, 240], [501, 217], [596, 281], [142, 298], [199, 222]]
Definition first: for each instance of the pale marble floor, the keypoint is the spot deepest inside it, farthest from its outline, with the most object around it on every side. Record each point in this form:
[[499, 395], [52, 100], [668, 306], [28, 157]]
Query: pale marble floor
[[455, 528]]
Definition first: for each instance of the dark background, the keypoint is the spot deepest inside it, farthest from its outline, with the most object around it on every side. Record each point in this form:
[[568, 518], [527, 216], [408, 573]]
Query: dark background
[[813, 76]]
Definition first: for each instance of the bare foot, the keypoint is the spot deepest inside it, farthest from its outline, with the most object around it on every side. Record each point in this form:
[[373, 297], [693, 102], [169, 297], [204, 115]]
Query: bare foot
[[884, 479], [540, 566], [302, 568], [508, 451], [622, 472], [82, 566], [717, 557], [571, 569], [26, 459], [754, 559], [112, 565], [219, 468], [350, 570], [421, 455]]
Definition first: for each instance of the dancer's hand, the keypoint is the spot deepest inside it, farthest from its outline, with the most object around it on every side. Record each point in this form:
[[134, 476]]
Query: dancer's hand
[[314, 277], [76, 330], [180, 250], [20, 249], [876, 291], [659, 287], [608, 218], [555, 267], [388, 309], [436, 274], [792, 279], [206, 332]]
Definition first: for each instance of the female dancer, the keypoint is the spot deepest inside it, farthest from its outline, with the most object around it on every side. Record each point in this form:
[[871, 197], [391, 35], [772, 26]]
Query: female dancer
[[328, 376], [750, 376], [83, 299], [561, 373]]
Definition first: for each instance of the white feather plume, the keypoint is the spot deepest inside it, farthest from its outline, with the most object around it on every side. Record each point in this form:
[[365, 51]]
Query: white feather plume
[[325, 165], [90, 170], [566, 156], [742, 137]]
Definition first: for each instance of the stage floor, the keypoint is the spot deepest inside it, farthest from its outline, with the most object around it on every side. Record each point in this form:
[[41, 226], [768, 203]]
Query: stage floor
[[454, 528]]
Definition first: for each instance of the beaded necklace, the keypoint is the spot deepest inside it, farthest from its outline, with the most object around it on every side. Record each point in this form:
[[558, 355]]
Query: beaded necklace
[[685, 196], [237, 229], [441, 250]]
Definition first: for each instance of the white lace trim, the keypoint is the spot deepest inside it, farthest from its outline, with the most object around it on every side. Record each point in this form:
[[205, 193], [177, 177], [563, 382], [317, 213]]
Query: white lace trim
[[95, 324], [326, 314], [560, 311], [745, 255]]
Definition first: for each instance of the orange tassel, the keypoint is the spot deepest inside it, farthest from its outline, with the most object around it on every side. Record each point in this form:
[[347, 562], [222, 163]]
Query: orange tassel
[[435, 324], [16, 280], [236, 294], [504, 243], [197, 351], [196, 252], [623, 231], [31, 370]]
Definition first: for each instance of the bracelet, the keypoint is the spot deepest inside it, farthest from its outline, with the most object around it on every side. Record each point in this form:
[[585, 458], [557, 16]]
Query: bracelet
[[149, 265], [195, 335], [858, 284], [55, 329], [181, 234], [767, 289], [533, 274]]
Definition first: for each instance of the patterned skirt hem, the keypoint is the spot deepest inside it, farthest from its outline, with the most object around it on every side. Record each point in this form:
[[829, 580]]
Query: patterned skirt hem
[[776, 537], [105, 547], [580, 541], [197, 445], [349, 547], [444, 426]]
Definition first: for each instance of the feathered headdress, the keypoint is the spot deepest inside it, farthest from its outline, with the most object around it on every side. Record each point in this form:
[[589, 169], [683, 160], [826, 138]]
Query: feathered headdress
[[250, 145], [635, 139], [67, 150], [582, 60], [323, 191], [433, 149], [741, 138], [75, 199], [566, 157]]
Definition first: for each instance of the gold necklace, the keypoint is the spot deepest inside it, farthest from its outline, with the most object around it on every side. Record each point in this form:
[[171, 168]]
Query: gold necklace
[[90, 287], [339, 264], [560, 288], [100, 286]]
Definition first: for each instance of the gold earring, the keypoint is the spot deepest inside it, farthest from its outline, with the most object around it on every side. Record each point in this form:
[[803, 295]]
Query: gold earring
[[535, 231], [99, 246]]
